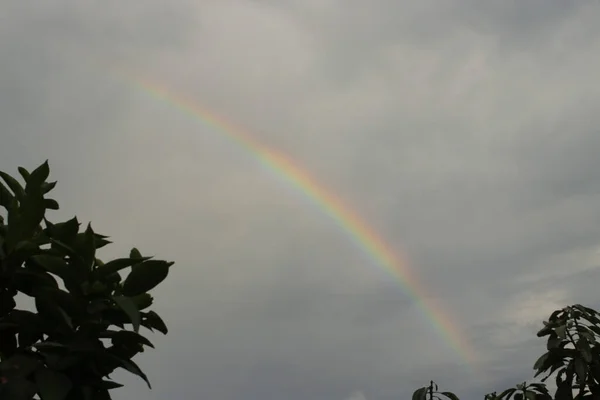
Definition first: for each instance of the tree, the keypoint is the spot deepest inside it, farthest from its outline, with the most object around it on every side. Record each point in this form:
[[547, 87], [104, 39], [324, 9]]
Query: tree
[[572, 358], [75, 338]]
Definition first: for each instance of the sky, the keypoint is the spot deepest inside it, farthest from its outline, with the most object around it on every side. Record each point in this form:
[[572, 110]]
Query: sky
[[463, 132]]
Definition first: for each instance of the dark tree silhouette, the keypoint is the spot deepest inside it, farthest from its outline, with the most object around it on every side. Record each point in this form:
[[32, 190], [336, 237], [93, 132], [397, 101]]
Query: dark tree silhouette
[[75, 338]]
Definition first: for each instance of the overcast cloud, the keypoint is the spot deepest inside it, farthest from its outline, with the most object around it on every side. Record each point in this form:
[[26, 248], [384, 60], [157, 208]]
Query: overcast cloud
[[465, 133]]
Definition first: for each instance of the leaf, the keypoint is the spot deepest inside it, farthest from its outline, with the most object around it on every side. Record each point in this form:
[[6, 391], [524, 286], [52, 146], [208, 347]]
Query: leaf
[[580, 369], [450, 395], [110, 385], [135, 253], [100, 241], [142, 301], [584, 348], [48, 186], [117, 265], [38, 177], [21, 365], [14, 185], [24, 173], [507, 392], [561, 331], [126, 337], [29, 281], [18, 389], [32, 211], [540, 361], [85, 247], [53, 264], [153, 320], [51, 204], [52, 385], [48, 308], [133, 368], [65, 232], [420, 394], [127, 305], [5, 196], [145, 277]]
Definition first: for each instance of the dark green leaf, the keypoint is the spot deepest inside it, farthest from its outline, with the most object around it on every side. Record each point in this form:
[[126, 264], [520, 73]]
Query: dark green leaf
[[18, 389], [580, 369], [110, 385], [85, 247], [540, 361], [584, 348], [5, 196], [126, 337], [38, 177], [561, 331], [49, 309], [553, 343], [53, 264], [118, 265], [64, 232], [127, 305], [48, 186], [507, 393], [24, 173], [142, 301], [21, 365], [420, 394], [133, 368], [145, 277], [135, 253], [52, 385], [153, 321], [29, 281], [51, 204], [14, 185], [450, 395]]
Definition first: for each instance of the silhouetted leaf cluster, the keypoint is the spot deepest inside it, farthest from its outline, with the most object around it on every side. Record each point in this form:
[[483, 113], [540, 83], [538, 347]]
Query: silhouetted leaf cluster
[[76, 337]]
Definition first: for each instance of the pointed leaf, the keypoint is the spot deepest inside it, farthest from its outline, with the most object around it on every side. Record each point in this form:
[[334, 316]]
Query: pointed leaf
[[85, 247], [126, 337], [135, 253], [117, 265], [52, 385], [38, 177], [48, 186], [127, 305], [153, 320], [145, 277], [14, 185], [110, 385], [24, 173], [5, 196], [132, 367]]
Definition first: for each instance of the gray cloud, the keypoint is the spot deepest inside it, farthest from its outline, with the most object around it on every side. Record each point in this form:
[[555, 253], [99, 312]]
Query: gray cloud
[[464, 132]]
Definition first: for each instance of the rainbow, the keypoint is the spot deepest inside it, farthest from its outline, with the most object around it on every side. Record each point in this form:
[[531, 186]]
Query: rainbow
[[358, 230]]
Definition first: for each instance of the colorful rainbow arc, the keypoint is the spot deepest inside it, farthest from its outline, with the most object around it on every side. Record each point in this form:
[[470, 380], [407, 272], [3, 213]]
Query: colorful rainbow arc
[[372, 243]]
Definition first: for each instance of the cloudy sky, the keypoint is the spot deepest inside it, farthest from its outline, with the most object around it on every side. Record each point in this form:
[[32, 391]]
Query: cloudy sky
[[464, 132]]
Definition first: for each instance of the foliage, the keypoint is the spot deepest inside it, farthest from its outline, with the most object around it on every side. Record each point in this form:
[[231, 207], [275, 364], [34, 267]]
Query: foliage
[[76, 337], [572, 358]]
